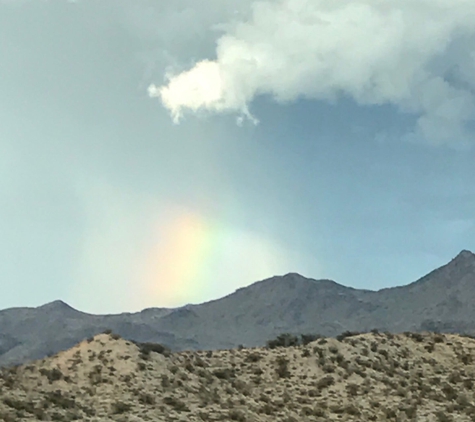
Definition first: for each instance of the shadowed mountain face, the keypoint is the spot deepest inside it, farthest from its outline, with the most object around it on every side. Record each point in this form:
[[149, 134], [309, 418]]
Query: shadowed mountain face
[[440, 301]]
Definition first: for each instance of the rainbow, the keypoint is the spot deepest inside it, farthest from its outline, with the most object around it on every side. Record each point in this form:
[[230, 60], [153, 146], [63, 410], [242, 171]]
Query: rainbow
[[195, 259]]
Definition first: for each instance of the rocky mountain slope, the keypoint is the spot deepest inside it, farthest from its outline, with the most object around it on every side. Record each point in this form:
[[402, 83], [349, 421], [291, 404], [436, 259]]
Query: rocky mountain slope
[[440, 301], [367, 377]]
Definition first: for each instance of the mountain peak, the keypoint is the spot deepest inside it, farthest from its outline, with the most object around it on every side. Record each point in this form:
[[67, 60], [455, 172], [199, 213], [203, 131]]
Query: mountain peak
[[57, 306], [465, 255], [292, 276]]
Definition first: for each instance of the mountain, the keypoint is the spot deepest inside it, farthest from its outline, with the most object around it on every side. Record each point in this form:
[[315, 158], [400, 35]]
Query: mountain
[[366, 377], [440, 301]]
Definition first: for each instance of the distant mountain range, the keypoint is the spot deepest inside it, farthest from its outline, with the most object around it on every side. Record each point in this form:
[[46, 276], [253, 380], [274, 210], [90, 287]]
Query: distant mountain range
[[443, 300]]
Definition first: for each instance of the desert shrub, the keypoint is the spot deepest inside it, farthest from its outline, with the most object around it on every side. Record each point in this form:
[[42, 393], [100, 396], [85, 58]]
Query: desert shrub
[[120, 407], [52, 374], [308, 338], [468, 383], [95, 376], [253, 357], [282, 368], [340, 359], [267, 409], [200, 362], [146, 398], [454, 377], [165, 381], [418, 337], [411, 411], [8, 417], [352, 389], [389, 335], [237, 415], [173, 369], [224, 373], [346, 334], [107, 331], [325, 382], [242, 387], [59, 400], [19, 405], [309, 411], [466, 359], [443, 417], [283, 340], [319, 352], [289, 340], [449, 392], [352, 410], [175, 403], [146, 348], [56, 416], [257, 371]]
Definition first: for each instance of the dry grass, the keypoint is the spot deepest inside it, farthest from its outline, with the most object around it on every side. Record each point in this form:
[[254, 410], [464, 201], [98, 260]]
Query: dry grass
[[367, 377]]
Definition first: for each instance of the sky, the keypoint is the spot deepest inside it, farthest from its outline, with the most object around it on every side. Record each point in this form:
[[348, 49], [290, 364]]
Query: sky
[[155, 154]]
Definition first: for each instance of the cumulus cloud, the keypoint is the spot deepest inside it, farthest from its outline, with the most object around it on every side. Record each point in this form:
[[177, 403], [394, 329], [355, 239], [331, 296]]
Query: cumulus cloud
[[415, 54]]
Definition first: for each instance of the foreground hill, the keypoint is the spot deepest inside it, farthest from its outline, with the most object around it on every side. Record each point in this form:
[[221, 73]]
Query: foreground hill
[[368, 377], [440, 301]]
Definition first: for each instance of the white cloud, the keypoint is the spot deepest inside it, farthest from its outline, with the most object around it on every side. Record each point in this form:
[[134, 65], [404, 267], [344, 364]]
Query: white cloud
[[376, 51]]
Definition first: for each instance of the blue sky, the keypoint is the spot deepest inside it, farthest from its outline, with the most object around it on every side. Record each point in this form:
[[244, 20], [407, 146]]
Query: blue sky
[[353, 159]]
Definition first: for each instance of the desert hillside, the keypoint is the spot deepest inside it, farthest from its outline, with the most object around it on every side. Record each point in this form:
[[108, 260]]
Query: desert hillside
[[365, 377]]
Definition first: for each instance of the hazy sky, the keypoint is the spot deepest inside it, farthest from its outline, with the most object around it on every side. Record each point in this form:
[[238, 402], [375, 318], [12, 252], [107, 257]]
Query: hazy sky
[[162, 153]]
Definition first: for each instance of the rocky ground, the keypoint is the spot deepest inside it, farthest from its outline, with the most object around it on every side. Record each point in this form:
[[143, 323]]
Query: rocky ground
[[364, 377]]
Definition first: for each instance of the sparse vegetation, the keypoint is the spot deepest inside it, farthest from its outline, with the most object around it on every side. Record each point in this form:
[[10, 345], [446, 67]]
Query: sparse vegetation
[[52, 374], [147, 348], [407, 377], [120, 407]]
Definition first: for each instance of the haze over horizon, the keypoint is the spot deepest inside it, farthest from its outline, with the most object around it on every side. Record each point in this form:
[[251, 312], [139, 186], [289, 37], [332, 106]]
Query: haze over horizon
[[156, 155]]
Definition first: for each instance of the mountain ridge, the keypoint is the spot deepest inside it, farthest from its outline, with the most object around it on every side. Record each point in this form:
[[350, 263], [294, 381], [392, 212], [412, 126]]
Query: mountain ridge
[[463, 256], [441, 300]]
